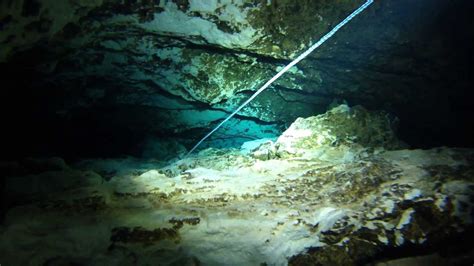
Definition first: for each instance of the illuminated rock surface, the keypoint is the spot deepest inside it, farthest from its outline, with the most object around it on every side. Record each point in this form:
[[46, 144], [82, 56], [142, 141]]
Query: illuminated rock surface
[[336, 203], [165, 71], [100, 100]]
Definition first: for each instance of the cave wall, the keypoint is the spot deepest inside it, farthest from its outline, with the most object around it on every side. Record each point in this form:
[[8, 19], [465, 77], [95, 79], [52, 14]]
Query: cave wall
[[103, 78]]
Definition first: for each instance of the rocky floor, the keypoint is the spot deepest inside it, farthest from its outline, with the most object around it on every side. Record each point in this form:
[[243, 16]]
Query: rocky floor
[[225, 207], [325, 204]]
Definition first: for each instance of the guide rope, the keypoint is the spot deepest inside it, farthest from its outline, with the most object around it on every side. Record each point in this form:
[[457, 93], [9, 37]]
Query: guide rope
[[286, 68]]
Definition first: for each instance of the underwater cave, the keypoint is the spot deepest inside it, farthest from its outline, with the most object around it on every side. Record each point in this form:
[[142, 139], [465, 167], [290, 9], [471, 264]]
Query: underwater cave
[[126, 141]]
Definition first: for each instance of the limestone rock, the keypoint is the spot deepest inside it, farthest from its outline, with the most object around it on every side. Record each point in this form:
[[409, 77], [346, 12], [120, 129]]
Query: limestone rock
[[334, 130], [184, 65], [341, 125], [297, 211]]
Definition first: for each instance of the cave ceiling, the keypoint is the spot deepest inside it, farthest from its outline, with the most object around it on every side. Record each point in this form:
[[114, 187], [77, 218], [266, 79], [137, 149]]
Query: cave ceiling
[[175, 68]]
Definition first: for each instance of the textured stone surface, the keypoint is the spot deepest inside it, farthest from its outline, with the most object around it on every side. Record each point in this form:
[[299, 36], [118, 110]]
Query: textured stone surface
[[110, 78], [221, 203], [343, 204], [172, 69], [340, 126]]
